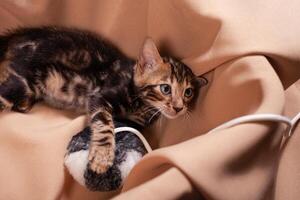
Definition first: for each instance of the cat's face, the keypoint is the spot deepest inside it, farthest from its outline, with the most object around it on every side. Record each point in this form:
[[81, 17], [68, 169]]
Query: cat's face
[[165, 83]]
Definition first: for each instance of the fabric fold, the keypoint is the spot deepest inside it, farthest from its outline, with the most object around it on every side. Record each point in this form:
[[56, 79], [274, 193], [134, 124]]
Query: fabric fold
[[249, 52]]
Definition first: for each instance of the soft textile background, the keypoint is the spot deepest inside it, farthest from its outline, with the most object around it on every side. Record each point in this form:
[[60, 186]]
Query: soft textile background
[[250, 52]]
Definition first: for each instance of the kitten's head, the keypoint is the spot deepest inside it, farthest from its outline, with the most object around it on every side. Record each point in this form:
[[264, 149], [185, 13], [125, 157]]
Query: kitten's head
[[165, 83]]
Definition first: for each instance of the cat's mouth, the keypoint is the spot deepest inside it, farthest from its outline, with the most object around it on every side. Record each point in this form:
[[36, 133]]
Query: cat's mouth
[[171, 114]]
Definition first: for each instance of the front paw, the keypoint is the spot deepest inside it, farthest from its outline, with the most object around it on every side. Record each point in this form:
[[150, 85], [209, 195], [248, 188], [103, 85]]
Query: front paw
[[101, 158]]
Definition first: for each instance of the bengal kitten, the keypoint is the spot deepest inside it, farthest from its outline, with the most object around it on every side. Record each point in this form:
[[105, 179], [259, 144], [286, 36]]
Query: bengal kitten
[[76, 69]]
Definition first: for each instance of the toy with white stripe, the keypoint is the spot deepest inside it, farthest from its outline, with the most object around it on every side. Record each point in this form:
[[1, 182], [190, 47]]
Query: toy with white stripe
[[129, 150]]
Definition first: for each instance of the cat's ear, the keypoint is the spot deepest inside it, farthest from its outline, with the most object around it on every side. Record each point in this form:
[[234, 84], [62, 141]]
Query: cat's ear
[[149, 56], [202, 81]]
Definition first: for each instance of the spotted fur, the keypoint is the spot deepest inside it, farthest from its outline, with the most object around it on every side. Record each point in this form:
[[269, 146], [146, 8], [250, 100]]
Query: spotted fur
[[76, 69]]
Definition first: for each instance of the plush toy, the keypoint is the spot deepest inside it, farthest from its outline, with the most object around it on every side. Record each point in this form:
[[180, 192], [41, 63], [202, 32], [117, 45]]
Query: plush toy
[[130, 148]]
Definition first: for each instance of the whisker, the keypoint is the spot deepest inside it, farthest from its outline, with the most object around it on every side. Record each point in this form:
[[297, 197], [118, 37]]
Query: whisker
[[160, 123], [152, 109], [158, 111], [186, 116], [190, 120], [136, 97]]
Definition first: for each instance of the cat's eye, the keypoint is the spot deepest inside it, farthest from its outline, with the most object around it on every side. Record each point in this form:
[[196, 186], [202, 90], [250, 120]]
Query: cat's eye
[[188, 92], [165, 89]]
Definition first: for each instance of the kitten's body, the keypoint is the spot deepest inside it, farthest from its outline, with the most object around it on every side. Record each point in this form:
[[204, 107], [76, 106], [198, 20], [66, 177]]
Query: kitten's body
[[62, 68], [74, 69]]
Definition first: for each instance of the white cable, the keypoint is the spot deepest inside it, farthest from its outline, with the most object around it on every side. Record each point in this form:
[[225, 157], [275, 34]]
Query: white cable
[[294, 123], [261, 117], [295, 119], [244, 119], [137, 133]]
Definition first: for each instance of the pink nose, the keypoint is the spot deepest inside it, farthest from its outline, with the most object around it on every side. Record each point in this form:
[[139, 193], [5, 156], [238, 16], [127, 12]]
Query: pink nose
[[178, 109]]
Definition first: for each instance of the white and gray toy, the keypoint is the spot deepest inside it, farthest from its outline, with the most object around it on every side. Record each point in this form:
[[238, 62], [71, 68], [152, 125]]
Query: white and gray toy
[[129, 150]]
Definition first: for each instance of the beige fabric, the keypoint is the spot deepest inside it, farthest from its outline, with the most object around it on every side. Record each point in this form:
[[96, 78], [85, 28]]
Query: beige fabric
[[288, 176], [248, 49]]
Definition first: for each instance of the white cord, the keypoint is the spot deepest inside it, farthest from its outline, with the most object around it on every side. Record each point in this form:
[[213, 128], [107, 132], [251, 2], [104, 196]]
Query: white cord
[[294, 123], [244, 119], [295, 119], [261, 117], [137, 133]]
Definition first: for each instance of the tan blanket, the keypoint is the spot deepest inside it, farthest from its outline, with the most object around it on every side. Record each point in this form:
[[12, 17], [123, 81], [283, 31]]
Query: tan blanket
[[250, 52]]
